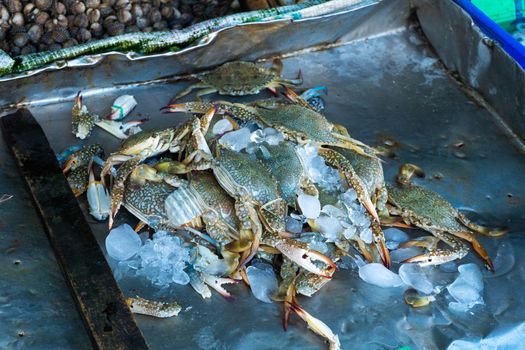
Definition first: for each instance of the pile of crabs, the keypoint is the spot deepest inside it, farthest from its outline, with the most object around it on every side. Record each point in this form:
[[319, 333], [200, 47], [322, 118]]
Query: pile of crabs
[[274, 197]]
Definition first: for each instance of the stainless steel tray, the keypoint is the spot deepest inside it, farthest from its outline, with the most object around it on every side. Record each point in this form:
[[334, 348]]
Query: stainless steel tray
[[392, 75]]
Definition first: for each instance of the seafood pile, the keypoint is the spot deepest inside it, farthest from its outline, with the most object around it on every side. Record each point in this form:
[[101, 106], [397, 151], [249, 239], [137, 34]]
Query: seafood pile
[[269, 193]]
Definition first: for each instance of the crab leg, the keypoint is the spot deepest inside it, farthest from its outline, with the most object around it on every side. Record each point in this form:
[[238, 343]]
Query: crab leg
[[190, 89], [335, 159], [288, 300], [426, 242], [407, 172], [117, 192], [478, 248], [480, 229], [206, 91], [379, 241], [153, 308], [317, 326], [251, 230]]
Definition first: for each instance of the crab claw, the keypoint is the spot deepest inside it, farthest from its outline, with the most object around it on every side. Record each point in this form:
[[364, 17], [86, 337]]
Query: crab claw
[[384, 254], [77, 192], [78, 100], [294, 97], [117, 194], [70, 162], [188, 107], [98, 197], [435, 257], [217, 282], [289, 299], [407, 171], [305, 257], [316, 325]]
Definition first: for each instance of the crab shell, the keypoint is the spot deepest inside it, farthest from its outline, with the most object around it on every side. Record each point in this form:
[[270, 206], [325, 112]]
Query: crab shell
[[239, 78], [243, 177], [146, 202], [287, 169], [423, 207]]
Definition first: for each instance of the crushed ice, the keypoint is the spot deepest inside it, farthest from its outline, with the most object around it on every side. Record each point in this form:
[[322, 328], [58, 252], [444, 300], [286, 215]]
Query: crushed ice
[[246, 139], [161, 260], [236, 140], [269, 135], [317, 171], [345, 220]]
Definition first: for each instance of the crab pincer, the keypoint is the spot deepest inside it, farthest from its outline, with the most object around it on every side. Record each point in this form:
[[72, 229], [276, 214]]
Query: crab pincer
[[217, 282], [299, 253], [316, 325]]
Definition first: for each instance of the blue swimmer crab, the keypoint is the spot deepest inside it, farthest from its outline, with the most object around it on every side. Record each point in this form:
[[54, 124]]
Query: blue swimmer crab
[[426, 209], [239, 78]]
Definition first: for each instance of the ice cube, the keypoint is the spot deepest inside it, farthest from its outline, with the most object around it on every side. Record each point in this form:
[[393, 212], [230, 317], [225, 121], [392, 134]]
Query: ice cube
[[272, 136], [263, 282], [162, 260], [122, 242], [379, 275], [222, 126], [402, 254], [360, 220], [350, 232], [366, 235], [293, 226], [329, 227], [471, 274], [450, 266], [394, 237], [349, 197], [456, 307], [333, 211], [504, 260], [236, 140], [257, 136], [310, 206], [414, 276], [463, 292], [252, 147]]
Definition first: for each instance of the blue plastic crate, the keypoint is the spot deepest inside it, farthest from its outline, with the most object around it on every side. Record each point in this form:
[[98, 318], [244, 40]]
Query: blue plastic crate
[[512, 46]]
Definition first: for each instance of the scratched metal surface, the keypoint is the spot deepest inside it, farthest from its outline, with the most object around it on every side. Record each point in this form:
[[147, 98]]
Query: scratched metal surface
[[390, 88]]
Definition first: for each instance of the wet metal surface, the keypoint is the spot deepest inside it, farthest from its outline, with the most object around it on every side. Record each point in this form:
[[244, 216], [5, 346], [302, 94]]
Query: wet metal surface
[[104, 311], [389, 90]]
